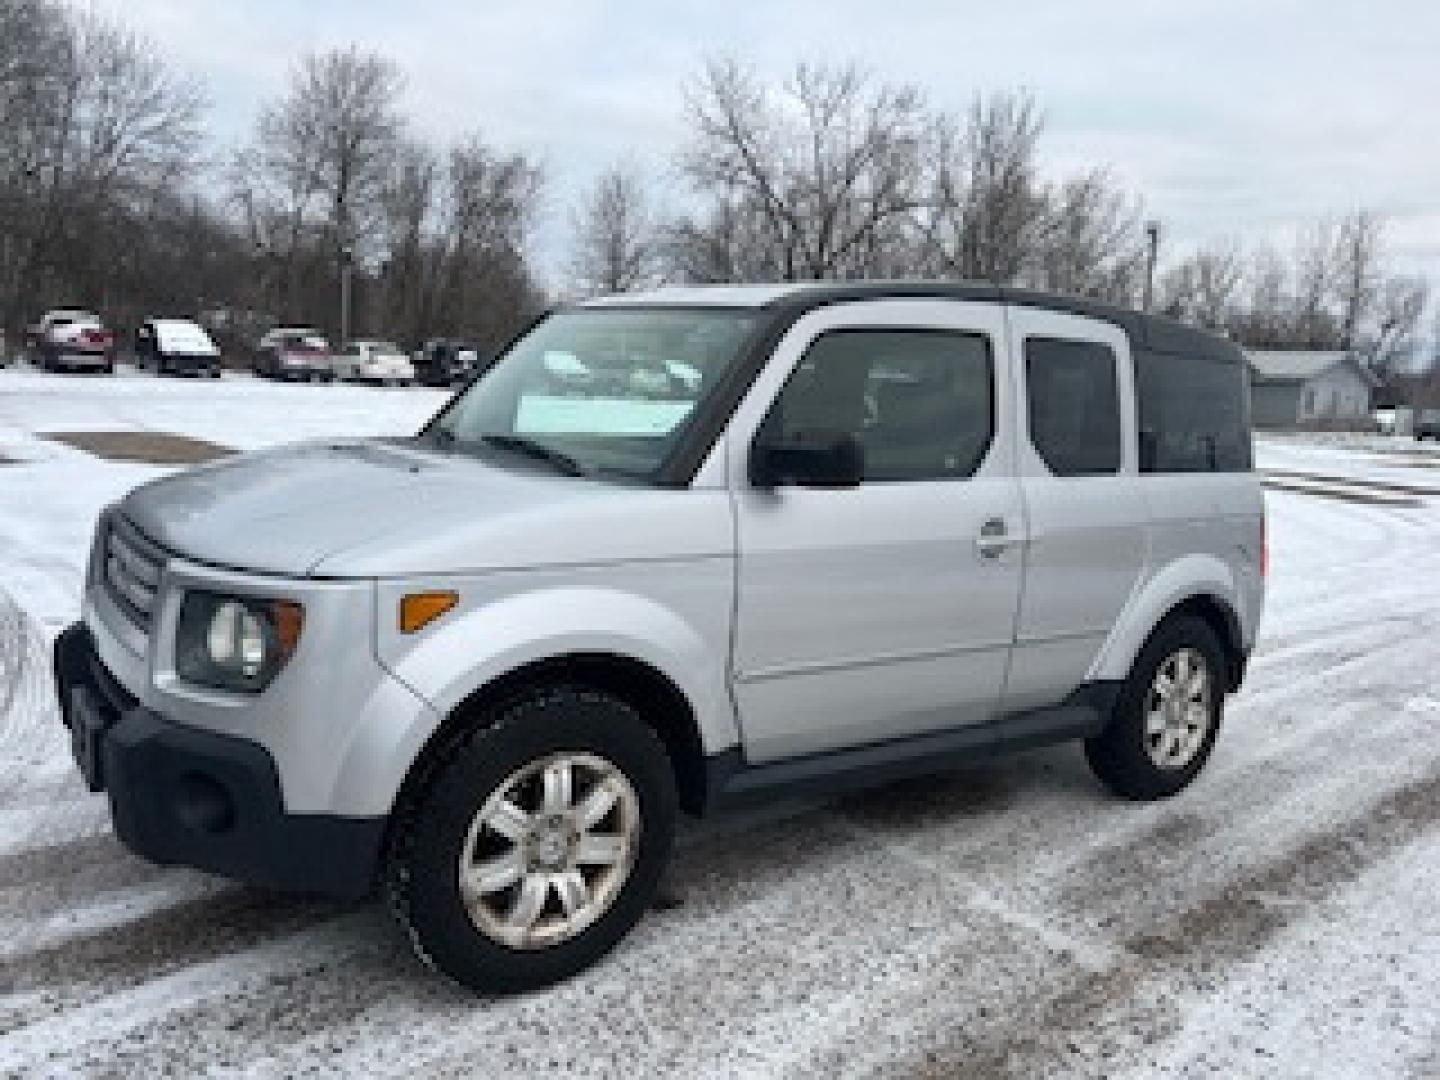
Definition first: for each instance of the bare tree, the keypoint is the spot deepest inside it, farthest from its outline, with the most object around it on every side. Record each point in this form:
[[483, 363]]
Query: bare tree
[[1262, 317], [1433, 361], [409, 205], [819, 169], [1357, 284], [1391, 342], [728, 241], [1204, 288], [95, 131], [487, 212], [1088, 240], [346, 104], [987, 206], [1314, 273], [454, 233], [311, 183], [616, 244]]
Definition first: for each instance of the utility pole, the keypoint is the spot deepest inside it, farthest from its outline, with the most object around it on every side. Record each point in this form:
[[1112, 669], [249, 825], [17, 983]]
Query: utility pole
[[346, 252], [1152, 251], [347, 261]]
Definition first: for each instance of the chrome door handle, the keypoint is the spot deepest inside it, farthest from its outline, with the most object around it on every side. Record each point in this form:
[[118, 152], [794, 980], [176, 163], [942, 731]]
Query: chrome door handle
[[994, 538]]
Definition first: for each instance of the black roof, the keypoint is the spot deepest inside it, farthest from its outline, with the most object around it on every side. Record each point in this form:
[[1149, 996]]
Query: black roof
[[1153, 332]]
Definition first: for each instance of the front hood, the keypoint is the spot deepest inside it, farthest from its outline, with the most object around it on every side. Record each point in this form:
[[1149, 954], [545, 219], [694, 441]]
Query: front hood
[[385, 508]]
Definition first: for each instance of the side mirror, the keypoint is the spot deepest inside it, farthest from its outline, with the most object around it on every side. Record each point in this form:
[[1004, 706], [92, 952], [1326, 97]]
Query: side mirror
[[818, 459]]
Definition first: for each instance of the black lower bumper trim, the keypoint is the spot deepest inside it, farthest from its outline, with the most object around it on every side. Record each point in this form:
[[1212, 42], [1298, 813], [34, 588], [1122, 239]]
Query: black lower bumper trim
[[183, 796]]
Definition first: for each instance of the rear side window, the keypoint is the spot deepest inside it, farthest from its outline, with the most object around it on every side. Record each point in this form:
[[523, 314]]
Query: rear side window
[[1074, 405], [919, 402], [1193, 413]]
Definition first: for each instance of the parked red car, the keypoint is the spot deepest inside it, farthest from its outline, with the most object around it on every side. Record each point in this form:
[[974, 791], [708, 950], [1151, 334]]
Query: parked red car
[[70, 339]]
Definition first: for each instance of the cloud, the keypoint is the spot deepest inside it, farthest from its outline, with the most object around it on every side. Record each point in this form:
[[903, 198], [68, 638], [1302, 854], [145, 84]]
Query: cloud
[[1235, 118]]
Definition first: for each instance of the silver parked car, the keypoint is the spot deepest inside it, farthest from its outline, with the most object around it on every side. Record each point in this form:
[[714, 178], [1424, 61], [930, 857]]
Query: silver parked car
[[874, 530]]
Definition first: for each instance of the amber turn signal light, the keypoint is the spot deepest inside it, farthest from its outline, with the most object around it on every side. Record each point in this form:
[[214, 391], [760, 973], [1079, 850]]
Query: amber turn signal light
[[289, 618], [419, 610]]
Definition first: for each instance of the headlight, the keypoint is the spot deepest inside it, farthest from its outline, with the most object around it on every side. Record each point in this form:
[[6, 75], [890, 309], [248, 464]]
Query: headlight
[[235, 642]]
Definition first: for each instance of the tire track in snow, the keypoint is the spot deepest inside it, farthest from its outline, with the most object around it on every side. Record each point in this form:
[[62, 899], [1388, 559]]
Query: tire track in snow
[[204, 927], [1229, 924], [782, 957], [916, 810]]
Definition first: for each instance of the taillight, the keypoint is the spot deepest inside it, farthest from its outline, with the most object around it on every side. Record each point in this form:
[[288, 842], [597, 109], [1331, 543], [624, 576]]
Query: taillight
[[97, 337]]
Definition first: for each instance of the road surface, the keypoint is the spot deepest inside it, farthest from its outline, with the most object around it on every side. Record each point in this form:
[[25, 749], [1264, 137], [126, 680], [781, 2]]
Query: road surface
[[1278, 919]]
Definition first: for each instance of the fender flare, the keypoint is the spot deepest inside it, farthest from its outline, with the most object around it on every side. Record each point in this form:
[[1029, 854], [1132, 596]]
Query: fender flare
[[506, 635], [1194, 577]]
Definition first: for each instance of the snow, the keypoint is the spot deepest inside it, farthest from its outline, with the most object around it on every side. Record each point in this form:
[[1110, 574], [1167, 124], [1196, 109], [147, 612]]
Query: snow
[[1277, 919], [48, 510]]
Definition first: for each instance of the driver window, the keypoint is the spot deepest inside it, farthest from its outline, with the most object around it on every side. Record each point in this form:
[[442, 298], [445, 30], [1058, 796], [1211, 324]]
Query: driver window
[[920, 403]]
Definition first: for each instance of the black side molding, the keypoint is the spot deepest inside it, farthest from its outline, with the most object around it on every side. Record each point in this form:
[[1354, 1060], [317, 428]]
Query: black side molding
[[730, 781]]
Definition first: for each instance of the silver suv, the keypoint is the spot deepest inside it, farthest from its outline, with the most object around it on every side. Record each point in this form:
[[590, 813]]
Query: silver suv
[[775, 539]]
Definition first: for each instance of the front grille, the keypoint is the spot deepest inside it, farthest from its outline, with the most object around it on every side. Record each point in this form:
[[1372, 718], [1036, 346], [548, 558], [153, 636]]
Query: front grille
[[131, 568]]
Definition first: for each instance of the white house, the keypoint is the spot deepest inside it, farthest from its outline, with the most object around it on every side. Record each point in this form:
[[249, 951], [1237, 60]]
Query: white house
[[1290, 389]]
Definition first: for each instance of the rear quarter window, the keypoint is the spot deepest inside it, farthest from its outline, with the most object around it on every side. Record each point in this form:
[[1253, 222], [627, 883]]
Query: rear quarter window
[[1194, 412]]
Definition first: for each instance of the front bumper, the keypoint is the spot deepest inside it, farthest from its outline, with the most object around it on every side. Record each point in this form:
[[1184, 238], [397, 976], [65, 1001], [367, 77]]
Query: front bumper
[[376, 373], [304, 369], [179, 795], [74, 357], [190, 363]]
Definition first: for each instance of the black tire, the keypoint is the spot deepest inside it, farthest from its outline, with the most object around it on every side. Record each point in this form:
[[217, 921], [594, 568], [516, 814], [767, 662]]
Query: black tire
[[430, 829], [1119, 755]]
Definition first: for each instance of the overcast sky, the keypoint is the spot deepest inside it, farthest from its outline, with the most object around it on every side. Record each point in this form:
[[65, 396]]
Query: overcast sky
[[1233, 118]]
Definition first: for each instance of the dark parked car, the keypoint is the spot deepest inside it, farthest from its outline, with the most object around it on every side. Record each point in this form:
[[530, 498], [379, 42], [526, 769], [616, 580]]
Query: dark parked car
[[440, 362], [176, 347], [1427, 424]]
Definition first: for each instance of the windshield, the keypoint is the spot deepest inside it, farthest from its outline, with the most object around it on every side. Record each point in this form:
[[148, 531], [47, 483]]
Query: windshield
[[608, 389]]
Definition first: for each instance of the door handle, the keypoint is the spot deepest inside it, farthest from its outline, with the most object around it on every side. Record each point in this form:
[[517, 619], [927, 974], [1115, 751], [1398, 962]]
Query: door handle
[[994, 538]]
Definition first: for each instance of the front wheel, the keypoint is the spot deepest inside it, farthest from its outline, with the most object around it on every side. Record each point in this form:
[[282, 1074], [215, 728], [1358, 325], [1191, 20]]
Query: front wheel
[[1167, 715], [537, 843]]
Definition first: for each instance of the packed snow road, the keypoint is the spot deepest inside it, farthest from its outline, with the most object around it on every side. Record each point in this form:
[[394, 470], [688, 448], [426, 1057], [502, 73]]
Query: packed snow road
[[1012, 920]]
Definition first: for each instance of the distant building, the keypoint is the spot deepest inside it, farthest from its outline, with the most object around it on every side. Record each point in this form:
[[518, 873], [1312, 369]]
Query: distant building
[[1299, 389]]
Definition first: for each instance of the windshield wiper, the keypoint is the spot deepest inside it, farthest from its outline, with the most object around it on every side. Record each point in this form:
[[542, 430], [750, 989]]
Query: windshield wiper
[[533, 448]]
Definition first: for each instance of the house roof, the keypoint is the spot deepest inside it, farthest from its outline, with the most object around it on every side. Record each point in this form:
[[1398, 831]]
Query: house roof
[[1285, 365]]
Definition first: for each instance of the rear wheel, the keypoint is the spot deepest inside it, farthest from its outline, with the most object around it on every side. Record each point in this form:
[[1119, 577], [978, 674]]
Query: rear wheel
[[1167, 715], [537, 843]]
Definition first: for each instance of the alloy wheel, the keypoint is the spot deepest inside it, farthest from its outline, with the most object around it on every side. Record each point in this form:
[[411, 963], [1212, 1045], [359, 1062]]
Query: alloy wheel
[[549, 850], [1178, 709]]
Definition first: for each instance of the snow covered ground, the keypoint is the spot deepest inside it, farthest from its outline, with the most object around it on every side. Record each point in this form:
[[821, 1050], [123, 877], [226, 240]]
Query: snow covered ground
[[1010, 920]]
